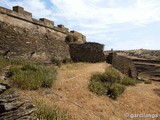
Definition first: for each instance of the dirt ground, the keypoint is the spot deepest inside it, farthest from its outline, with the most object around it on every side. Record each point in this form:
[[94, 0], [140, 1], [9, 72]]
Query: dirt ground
[[70, 92]]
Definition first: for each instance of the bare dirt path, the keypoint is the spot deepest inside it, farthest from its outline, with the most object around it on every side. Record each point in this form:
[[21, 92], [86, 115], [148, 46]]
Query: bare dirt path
[[70, 92]]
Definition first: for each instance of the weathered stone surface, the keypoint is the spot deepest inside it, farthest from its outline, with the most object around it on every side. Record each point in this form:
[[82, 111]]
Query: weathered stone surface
[[87, 52], [123, 64], [22, 37], [11, 108], [29, 44]]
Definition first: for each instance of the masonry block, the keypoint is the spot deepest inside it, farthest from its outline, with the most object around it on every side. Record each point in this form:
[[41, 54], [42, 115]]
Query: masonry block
[[47, 22], [18, 9]]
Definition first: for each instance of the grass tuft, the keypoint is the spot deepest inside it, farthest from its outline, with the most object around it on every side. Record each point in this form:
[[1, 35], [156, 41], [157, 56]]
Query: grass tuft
[[47, 111], [127, 81], [32, 76], [147, 82], [109, 83], [115, 90]]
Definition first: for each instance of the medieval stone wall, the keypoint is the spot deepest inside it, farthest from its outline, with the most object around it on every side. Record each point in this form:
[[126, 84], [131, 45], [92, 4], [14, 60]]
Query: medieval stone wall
[[123, 64], [23, 43], [87, 52], [23, 37]]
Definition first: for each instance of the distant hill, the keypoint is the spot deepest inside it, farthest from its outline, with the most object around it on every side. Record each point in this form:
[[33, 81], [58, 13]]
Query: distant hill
[[140, 53]]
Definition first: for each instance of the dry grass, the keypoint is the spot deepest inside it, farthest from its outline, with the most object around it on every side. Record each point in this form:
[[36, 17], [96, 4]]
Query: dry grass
[[70, 92]]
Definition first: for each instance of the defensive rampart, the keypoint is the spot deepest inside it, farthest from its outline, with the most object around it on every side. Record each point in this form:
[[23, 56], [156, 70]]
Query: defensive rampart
[[24, 37], [87, 52]]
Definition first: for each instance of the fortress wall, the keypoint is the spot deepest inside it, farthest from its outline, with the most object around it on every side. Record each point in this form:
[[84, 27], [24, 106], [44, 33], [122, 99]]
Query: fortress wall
[[123, 64], [23, 37], [81, 38], [23, 43], [87, 52]]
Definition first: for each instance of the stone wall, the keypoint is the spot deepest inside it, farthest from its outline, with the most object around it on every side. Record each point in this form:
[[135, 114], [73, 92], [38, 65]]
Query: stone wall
[[23, 37], [87, 52], [123, 64], [12, 108], [31, 44]]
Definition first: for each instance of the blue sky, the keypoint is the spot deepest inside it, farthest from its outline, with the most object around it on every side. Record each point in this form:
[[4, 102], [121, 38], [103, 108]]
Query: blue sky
[[118, 24]]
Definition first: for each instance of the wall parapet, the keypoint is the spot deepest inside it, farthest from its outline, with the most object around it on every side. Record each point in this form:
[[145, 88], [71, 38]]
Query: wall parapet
[[19, 13]]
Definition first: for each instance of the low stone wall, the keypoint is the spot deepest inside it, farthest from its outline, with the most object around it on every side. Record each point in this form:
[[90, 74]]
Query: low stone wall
[[87, 52], [123, 64], [11, 108]]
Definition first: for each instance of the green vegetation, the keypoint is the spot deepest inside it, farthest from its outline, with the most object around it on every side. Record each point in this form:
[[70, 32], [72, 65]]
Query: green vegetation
[[115, 90], [6, 62], [32, 76], [47, 111], [110, 83], [129, 81], [147, 82], [28, 75]]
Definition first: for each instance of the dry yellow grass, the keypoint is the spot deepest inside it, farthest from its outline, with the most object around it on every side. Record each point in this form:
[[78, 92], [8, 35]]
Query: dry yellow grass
[[70, 92]]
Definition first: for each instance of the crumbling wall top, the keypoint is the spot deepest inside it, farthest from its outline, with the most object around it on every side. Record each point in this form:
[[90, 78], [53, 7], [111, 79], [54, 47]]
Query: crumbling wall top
[[19, 12], [18, 9], [47, 22]]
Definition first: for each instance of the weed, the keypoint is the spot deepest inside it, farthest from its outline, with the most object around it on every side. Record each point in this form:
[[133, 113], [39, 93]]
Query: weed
[[109, 83], [147, 82], [47, 111], [98, 87], [115, 90], [31, 76], [128, 81]]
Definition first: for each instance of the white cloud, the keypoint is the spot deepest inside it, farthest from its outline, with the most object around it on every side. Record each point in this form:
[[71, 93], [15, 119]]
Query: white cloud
[[37, 7]]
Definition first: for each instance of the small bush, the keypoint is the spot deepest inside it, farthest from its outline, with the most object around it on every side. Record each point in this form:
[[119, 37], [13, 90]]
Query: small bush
[[111, 76], [128, 81], [97, 77], [47, 111], [2, 65], [147, 82], [8, 62], [115, 90], [31, 76], [109, 83], [98, 87]]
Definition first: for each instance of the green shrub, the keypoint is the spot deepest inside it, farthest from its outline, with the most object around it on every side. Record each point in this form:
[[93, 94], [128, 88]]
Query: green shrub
[[10, 62], [97, 77], [109, 83], [2, 64], [98, 87], [128, 81], [47, 111], [115, 90], [31, 76], [111, 76], [147, 82]]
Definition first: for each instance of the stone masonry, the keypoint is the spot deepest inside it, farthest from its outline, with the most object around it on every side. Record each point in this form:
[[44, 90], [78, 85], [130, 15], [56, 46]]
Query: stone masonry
[[23, 37], [123, 64], [87, 52]]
